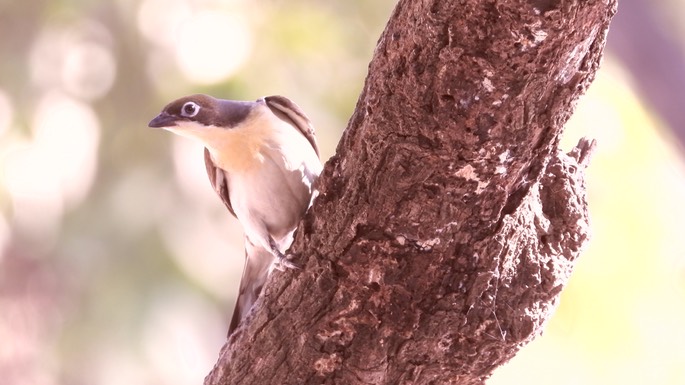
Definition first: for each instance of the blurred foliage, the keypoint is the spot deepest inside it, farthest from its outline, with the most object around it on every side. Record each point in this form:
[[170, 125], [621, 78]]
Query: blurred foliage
[[119, 265]]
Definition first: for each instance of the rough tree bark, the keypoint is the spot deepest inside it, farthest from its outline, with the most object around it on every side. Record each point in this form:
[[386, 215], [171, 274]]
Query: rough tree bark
[[448, 221]]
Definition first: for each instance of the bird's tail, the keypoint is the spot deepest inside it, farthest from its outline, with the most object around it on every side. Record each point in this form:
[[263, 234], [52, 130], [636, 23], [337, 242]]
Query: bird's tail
[[257, 267]]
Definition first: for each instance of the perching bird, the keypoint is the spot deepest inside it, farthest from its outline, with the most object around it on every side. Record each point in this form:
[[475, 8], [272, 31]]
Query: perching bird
[[262, 160]]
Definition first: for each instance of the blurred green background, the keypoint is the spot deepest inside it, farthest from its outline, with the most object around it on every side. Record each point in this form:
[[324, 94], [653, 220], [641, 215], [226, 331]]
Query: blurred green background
[[119, 265]]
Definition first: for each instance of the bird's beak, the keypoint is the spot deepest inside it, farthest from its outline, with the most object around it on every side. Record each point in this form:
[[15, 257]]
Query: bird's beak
[[162, 120]]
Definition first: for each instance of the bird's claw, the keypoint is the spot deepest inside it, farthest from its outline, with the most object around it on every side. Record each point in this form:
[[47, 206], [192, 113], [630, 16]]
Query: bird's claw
[[282, 263]]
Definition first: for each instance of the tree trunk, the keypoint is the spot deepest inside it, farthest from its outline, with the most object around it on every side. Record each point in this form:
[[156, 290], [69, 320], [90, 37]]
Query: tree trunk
[[448, 221]]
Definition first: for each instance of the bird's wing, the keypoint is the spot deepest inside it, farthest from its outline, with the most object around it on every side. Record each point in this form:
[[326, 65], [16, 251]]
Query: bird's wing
[[285, 109], [217, 178]]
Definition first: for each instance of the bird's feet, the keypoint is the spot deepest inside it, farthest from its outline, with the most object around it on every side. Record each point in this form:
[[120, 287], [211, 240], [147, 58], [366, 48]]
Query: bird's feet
[[282, 262]]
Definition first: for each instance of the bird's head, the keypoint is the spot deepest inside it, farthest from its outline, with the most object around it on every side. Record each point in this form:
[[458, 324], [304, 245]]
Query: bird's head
[[196, 115]]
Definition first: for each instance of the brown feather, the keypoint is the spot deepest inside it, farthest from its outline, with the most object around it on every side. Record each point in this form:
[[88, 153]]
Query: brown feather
[[285, 109], [218, 180]]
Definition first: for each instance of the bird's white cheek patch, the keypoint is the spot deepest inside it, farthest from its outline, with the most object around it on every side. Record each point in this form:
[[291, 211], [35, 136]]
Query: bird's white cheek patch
[[207, 135], [183, 133], [187, 129]]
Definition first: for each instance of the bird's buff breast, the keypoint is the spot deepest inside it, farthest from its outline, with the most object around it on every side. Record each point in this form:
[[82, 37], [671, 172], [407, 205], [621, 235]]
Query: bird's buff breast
[[240, 150], [264, 165]]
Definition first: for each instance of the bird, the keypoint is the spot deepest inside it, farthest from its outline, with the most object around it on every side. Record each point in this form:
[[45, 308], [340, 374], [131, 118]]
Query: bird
[[262, 160]]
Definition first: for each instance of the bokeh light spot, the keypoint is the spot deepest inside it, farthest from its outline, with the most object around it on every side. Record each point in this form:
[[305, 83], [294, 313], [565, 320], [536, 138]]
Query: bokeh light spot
[[212, 46], [56, 166], [67, 133], [89, 70], [160, 20], [76, 59]]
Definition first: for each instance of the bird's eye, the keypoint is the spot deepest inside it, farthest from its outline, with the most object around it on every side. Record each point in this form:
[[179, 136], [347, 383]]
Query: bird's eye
[[190, 109]]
